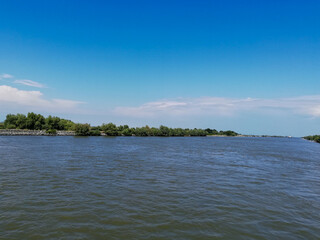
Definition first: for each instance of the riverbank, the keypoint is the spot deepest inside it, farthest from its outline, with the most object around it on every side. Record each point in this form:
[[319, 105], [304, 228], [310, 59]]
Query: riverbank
[[314, 138], [20, 132], [33, 121]]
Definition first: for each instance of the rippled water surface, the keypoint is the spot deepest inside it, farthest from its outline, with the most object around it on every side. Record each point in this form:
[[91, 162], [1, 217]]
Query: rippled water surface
[[159, 188]]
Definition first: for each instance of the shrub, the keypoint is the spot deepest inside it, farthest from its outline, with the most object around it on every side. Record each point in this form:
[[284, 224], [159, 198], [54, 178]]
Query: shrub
[[95, 133], [315, 138], [127, 132], [82, 129], [11, 126], [230, 133], [110, 129], [11, 121], [51, 131]]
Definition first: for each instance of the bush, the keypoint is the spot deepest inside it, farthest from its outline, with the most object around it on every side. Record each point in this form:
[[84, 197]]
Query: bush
[[95, 133], [11, 126], [110, 129], [82, 129], [51, 131], [315, 138], [127, 132], [10, 122], [230, 133]]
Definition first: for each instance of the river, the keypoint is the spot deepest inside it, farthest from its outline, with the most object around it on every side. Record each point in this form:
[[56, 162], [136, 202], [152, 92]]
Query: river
[[159, 188]]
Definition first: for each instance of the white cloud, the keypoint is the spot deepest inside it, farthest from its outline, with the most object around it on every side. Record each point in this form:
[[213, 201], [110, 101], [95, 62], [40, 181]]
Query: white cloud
[[217, 106], [29, 83], [5, 75], [22, 81], [13, 97]]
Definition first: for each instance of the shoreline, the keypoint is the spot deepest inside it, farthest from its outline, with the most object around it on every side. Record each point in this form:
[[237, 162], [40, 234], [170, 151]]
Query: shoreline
[[23, 132]]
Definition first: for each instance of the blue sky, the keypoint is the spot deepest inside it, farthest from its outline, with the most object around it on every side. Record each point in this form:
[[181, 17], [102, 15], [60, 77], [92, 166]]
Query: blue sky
[[249, 66]]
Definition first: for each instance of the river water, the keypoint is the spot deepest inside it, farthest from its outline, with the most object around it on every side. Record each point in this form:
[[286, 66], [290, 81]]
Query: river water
[[159, 188]]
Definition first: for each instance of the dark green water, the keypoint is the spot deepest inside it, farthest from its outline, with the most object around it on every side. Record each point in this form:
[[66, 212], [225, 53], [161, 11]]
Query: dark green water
[[159, 188]]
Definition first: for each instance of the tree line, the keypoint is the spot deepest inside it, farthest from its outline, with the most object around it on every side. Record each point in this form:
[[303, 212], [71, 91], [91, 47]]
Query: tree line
[[51, 124], [315, 138], [33, 121]]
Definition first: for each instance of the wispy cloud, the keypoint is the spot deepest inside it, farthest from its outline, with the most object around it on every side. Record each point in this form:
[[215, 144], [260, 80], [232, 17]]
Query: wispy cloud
[[5, 75], [29, 83], [13, 97], [25, 82], [217, 106]]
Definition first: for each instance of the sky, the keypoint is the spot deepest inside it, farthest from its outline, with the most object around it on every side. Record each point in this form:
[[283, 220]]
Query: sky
[[249, 66]]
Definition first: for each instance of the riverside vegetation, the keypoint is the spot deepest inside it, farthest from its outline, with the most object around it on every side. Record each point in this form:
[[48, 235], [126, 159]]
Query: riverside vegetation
[[51, 124], [315, 138]]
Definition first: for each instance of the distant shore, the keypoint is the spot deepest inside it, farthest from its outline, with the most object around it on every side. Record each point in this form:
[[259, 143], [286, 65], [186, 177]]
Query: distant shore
[[24, 132], [58, 126], [244, 135], [314, 138], [21, 132]]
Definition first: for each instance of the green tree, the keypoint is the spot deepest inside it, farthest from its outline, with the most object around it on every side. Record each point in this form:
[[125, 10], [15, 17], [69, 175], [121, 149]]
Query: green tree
[[178, 132], [21, 121], [82, 129], [127, 132], [65, 124], [40, 122], [141, 132], [11, 121], [95, 132], [229, 133], [315, 138], [35, 121], [53, 123], [164, 131], [110, 129], [31, 120], [211, 131]]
